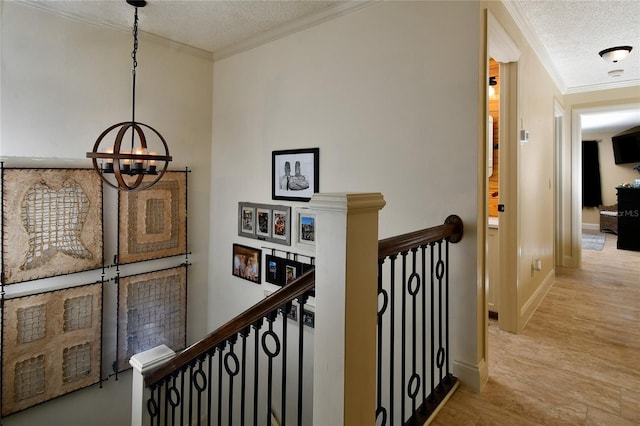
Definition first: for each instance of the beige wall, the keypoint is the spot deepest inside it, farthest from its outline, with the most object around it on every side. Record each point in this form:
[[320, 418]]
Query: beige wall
[[389, 94], [534, 174], [63, 82]]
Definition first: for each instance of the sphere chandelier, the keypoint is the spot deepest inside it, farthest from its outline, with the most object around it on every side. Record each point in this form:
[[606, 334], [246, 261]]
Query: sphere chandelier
[[118, 166]]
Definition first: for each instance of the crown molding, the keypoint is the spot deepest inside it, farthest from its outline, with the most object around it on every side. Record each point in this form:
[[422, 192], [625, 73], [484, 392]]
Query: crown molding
[[340, 9], [602, 86], [521, 20], [44, 6]]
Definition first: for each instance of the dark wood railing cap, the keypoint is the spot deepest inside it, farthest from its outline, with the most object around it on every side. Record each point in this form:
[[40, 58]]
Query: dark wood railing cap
[[451, 230]]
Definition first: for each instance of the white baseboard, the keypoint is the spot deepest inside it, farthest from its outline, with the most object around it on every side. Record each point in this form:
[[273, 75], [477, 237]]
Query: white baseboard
[[590, 226], [473, 376], [534, 301]]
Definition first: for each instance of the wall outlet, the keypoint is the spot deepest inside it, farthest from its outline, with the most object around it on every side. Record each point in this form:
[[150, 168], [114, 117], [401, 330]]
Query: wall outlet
[[537, 265]]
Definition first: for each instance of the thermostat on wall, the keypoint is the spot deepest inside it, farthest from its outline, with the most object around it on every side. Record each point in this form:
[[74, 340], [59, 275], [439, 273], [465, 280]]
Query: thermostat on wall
[[524, 136]]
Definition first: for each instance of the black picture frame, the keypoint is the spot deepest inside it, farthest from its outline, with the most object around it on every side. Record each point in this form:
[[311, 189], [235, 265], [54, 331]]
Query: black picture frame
[[274, 270], [309, 318], [295, 174], [246, 263], [292, 270]]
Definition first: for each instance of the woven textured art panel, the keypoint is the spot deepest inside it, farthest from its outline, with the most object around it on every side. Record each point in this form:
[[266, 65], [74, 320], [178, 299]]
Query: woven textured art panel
[[51, 345], [52, 223], [153, 222]]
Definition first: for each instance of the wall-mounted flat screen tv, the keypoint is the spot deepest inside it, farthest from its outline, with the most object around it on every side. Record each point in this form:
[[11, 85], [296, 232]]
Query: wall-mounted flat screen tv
[[626, 147]]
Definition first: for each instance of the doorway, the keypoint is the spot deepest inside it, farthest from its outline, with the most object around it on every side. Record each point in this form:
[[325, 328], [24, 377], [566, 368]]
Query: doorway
[[602, 122], [502, 233]]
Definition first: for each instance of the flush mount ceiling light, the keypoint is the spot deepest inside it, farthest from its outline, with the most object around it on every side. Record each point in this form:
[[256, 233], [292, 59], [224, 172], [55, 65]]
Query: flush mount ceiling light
[[615, 54], [122, 168]]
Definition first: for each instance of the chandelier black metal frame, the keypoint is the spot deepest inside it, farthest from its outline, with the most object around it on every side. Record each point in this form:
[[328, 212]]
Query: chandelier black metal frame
[[138, 162]]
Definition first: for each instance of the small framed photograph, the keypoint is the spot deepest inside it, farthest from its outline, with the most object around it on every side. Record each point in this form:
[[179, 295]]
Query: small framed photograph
[[306, 227], [275, 270], [263, 220], [292, 314], [246, 263], [247, 220], [281, 226], [295, 174], [309, 318], [292, 270]]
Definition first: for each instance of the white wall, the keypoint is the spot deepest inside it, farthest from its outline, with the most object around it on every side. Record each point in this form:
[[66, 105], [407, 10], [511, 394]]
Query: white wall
[[63, 82], [389, 94]]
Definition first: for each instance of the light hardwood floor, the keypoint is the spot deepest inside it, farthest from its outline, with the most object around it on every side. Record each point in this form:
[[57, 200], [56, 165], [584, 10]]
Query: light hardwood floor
[[577, 362]]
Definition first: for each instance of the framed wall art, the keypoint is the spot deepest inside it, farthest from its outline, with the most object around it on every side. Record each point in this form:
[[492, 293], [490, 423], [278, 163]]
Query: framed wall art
[[246, 220], [265, 222], [152, 312], [246, 263], [52, 223], [274, 273], [306, 227], [295, 174], [309, 318], [51, 345], [152, 223]]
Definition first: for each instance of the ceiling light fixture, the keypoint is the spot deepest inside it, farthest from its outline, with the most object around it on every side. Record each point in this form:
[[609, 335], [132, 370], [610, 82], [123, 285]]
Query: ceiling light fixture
[[119, 167], [615, 54]]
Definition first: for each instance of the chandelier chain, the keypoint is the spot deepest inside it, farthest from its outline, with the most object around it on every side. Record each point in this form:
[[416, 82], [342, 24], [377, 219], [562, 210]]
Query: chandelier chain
[[134, 54]]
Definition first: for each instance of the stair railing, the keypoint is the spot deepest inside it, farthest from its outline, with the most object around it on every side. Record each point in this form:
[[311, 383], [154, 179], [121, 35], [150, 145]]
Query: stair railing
[[238, 373], [413, 375]]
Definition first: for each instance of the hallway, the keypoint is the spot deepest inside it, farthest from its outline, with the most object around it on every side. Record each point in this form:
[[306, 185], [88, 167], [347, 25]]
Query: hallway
[[577, 362]]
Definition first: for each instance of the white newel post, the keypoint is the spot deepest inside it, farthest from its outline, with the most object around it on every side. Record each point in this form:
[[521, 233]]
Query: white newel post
[[344, 387], [141, 363]]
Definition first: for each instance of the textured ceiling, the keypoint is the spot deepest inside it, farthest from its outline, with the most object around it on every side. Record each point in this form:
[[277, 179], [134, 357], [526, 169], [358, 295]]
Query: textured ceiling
[[573, 32], [210, 25], [566, 34]]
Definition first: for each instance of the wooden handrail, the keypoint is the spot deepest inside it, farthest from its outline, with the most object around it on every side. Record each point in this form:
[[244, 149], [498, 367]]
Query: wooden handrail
[[302, 285], [452, 229]]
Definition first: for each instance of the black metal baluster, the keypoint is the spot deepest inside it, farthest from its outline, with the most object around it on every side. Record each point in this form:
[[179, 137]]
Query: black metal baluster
[[392, 327], [232, 368], [380, 410], [257, 327], [439, 272], [220, 380], [271, 354], [166, 403], [153, 407], [413, 287], [432, 311], [190, 413], [210, 356], [243, 367], [181, 373], [423, 250], [403, 344], [287, 307], [173, 398], [302, 300], [448, 376], [200, 384]]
